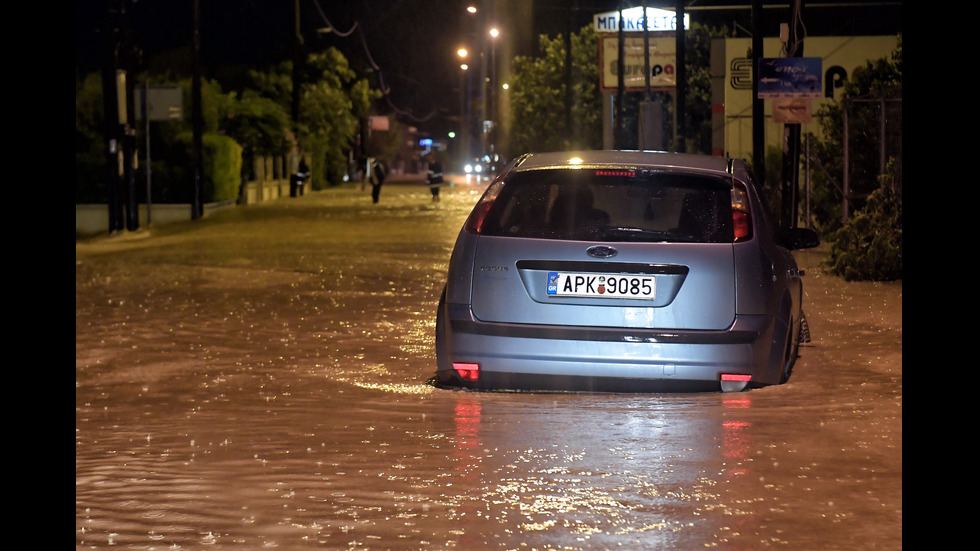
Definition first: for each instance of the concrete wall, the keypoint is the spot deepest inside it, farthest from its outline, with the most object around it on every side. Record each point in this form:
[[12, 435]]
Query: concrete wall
[[93, 219]]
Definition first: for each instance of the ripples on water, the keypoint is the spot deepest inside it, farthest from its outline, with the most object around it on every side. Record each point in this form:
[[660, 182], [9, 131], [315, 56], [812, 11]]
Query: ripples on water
[[390, 467]]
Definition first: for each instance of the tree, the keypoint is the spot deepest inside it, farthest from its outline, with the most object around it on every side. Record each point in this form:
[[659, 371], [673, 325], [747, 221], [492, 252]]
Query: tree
[[90, 186], [333, 102], [697, 116], [258, 124], [538, 97], [868, 245], [868, 87], [172, 163]]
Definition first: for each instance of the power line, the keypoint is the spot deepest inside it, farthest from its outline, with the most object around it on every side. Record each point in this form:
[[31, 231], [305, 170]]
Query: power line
[[385, 89]]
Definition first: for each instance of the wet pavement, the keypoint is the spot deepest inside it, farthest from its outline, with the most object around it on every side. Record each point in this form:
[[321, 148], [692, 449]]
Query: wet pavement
[[258, 379]]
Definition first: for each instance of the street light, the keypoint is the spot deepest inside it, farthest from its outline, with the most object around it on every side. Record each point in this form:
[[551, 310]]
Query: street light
[[494, 33], [464, 103]]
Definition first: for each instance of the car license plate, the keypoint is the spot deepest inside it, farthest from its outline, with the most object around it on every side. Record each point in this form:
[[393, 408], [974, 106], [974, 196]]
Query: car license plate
[[585, 284]]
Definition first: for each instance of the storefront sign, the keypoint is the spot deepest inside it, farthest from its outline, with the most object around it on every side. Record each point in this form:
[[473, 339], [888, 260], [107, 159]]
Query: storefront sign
[[657, 20]]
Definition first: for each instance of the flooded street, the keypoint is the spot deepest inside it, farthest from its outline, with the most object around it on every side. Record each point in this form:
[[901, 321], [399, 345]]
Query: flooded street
[[258, 379]]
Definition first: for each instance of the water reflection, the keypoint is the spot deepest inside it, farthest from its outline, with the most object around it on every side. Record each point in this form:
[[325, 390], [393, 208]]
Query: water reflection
[[735, 434], [585, 472]]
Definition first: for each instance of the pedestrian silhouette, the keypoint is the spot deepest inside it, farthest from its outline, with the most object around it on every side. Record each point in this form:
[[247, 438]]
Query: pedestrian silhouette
[[435, 178], [298, 180], [379, 171]]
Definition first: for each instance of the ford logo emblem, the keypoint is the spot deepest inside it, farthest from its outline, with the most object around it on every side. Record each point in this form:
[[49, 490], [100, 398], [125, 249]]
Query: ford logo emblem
[[601, 251]]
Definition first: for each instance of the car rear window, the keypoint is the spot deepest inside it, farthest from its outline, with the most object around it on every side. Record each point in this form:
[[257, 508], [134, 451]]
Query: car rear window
[[613, 205]]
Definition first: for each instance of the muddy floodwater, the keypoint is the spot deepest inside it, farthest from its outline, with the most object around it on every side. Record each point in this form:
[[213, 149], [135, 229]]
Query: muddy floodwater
[[258, 379]]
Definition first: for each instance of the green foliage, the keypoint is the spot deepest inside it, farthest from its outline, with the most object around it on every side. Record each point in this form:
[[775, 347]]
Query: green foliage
[[538, 109], [698, 132], [876, 83], [869, 246], [173, 174], [223, 165], [772, 188], [276, 83], [253, 120], [259, 124], [333, 102], [90, 159]]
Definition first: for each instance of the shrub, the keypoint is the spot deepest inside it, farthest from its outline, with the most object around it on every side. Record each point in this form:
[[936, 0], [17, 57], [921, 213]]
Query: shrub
[[869, 246]]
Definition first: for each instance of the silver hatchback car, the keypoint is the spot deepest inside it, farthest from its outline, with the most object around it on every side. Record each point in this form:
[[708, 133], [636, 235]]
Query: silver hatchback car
[[621, 271]]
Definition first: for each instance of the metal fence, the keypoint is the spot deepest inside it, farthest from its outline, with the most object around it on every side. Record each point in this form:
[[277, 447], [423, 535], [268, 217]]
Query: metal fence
[[886, 110]]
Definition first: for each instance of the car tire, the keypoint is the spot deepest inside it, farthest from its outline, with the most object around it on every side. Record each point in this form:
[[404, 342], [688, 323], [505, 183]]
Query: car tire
[[442, 361], [792, 351]]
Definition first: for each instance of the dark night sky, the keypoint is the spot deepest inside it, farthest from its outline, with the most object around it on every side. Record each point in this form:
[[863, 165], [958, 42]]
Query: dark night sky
[[413, 41]]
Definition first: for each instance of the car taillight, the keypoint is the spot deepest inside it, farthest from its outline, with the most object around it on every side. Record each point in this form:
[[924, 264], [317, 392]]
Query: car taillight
[[734, 382], [474, 224], [741, 221], [467, 371]]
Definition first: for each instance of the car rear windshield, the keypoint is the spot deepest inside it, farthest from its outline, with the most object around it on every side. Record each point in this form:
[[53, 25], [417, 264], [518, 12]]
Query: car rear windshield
[[613, 205]]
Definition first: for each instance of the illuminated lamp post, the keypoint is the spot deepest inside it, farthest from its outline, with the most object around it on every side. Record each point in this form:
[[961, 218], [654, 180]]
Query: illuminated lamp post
[[494, 33], [463, 106]]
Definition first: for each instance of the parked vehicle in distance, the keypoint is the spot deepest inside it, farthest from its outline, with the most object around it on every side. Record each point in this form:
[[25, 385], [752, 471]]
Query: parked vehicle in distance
[[621, 271]]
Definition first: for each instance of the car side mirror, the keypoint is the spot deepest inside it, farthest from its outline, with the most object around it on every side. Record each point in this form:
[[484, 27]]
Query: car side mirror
[[798, 238]]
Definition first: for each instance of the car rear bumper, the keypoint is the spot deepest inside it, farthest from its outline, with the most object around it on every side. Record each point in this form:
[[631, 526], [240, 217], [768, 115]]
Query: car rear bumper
[[599, 359]]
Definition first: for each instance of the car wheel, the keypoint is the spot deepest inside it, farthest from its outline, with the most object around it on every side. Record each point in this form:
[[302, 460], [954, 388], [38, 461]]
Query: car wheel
[[793, 340], [804, 329]]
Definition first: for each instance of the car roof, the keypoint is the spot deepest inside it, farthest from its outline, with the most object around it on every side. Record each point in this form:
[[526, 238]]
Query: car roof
[[631, 159]]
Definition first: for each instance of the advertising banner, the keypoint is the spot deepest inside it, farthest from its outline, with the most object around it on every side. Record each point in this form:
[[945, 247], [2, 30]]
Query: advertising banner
[[663, 67]]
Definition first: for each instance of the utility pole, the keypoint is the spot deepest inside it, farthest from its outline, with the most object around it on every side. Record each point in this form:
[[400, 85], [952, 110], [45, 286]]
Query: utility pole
[[110, 108], [197, 206], [621, 85], [297, 65], [758, 105], [680, 91], [791, 133]]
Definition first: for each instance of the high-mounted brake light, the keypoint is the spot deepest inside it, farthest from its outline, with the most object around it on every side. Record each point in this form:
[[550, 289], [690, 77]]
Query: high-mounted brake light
[[467, 371], [741, 221], [626, 173]]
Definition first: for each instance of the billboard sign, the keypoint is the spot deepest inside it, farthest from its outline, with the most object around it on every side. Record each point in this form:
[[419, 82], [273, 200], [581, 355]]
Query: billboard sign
[[663, 63]]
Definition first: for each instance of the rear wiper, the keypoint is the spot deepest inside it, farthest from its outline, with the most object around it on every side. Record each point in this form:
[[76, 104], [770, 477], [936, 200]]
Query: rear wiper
[[644, 234]]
